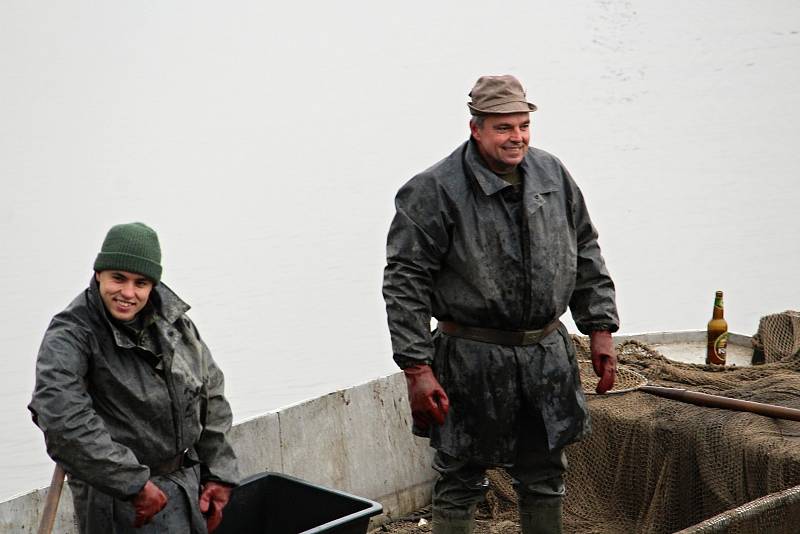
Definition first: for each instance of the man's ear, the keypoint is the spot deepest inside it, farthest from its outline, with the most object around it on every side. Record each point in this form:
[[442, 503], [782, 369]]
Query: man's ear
[[97, 276], [473, 128]]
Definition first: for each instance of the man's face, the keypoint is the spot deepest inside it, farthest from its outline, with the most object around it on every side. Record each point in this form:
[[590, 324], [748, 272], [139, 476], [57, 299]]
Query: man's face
[[503, 140], [124, 294]]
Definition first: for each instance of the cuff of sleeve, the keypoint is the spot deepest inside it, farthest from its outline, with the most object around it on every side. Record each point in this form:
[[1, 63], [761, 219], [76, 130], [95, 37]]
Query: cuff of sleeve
[[404, 362], [228, 475], [220, 482], [130, 496], [588, 329]]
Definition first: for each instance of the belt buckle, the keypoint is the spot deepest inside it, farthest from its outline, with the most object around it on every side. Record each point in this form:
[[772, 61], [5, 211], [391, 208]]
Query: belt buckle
[[529, 337]]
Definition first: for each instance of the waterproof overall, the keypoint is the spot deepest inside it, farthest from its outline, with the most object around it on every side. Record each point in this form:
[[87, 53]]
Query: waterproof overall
[[465, 246]]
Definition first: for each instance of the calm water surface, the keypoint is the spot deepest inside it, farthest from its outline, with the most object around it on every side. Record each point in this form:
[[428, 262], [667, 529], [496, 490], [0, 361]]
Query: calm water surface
[[266, 145]]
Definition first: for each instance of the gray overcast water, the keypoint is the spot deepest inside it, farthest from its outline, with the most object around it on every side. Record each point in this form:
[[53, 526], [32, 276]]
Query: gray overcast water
[[265, 145]]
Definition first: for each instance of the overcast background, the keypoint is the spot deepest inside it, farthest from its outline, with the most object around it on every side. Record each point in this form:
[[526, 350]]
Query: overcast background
[[265, 142]]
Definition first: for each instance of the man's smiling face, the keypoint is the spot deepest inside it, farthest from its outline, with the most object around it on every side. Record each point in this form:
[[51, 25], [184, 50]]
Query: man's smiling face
[[124, 294], [503, 139]]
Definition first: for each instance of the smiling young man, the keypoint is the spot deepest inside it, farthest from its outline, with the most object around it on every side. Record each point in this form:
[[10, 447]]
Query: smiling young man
[[124, 294], [131, 402], [495, 242]]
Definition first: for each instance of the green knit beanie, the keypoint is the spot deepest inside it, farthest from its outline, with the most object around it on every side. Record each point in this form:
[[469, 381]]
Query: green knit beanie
[[131, 247]]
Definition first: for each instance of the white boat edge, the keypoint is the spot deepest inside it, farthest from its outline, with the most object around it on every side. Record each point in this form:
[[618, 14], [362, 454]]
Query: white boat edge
[[356, 440], [681, 336]]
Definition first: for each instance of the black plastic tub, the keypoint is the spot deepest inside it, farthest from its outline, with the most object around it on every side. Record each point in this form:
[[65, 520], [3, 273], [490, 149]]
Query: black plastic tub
[[272, 503]]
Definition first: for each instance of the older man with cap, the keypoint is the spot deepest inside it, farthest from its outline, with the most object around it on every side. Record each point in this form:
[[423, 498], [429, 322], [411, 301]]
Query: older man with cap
[[495, 242], [131, 402]]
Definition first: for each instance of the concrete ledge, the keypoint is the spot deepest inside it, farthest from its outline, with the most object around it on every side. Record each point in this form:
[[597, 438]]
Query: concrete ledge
[[359, 440], [257, 444], [23, 513]]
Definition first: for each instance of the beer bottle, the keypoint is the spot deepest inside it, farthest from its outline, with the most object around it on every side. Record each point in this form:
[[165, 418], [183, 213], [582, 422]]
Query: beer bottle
[[717, 335]]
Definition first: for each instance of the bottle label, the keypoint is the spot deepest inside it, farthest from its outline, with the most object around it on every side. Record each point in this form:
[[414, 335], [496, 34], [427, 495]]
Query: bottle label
[[721, 346]]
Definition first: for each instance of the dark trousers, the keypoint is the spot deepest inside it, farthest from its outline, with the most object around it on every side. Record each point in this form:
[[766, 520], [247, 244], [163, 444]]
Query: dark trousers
[[462, 484]]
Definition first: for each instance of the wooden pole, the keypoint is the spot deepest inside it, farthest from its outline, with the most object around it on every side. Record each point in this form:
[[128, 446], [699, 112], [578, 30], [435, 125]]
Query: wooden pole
[[51, 502], [725, 403]]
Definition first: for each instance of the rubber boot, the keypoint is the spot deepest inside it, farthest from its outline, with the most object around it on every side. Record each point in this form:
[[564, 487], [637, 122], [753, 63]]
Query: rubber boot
[[446, 524], [541, 516]]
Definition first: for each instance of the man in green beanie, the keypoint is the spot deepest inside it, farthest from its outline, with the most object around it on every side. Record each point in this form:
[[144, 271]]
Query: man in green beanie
[[131, 402]]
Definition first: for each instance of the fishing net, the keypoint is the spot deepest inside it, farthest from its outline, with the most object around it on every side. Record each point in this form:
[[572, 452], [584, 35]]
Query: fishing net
[[653, 465], [778, 336]]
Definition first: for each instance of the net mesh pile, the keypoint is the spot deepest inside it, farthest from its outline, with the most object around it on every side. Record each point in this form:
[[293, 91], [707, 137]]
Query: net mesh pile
[[778, 336], [653, 465]]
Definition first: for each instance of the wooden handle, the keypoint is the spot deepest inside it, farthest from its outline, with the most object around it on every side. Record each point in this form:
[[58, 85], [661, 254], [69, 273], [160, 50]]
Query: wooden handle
[[51, 503], [726, 403]]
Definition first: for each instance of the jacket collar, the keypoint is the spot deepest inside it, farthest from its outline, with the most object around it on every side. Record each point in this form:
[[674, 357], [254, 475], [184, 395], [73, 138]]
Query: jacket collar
[[536, 180], [163, 302], [489, 182]]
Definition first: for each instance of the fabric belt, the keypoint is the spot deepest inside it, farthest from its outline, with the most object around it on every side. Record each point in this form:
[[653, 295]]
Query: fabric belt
[[498, 337], [167, 466]]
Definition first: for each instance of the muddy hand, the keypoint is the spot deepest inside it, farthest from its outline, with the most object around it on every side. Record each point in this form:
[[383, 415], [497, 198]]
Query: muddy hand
[[148, 502], [429, 402], [604, 359], [213, 499]]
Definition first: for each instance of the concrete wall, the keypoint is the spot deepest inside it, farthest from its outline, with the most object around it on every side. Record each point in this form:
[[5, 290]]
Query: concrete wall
[[22, 514], [356, 440]]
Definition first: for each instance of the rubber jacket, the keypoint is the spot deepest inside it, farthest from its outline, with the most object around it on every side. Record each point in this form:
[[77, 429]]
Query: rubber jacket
[[111, 403], [465, 246]]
